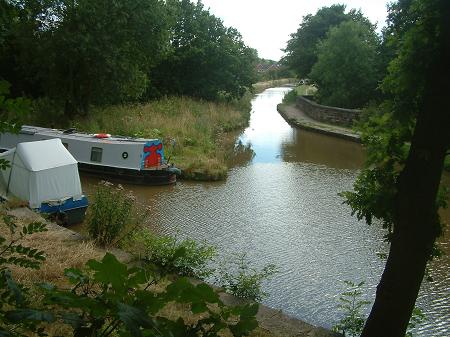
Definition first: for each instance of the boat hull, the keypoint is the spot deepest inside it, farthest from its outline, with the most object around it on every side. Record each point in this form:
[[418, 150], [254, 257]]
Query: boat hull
[[142, 177], [69, 212]]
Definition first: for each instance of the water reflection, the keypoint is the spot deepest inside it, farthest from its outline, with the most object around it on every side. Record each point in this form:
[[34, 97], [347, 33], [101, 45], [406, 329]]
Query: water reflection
[[311, 147], [267, 128]]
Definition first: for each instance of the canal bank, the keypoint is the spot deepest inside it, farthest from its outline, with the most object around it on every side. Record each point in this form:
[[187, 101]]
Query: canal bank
[[296, 117]]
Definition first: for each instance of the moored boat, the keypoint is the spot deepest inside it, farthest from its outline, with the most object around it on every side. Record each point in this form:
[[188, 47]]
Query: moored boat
[[125, 159]]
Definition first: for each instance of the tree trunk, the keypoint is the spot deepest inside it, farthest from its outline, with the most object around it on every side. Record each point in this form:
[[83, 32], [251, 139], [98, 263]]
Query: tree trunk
[[416, 223], [415, 231]]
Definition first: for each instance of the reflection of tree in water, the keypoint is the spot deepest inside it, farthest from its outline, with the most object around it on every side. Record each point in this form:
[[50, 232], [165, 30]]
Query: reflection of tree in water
[[243, 154], [321, 149]]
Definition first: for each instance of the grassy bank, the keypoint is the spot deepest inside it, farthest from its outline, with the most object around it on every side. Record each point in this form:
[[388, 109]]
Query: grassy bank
[[199, 136]]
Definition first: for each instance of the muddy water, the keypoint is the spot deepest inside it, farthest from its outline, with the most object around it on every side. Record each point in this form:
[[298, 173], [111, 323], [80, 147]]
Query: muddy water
[[280, 205]]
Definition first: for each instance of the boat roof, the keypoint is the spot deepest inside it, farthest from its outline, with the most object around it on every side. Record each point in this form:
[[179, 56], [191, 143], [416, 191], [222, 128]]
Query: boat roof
[[44, 155], [73, 134]]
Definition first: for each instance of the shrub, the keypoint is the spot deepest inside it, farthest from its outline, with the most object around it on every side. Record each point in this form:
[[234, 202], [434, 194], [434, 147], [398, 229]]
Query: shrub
[[239, 279], [112, 214], [352, 306], [290, 97], [173, 256], [352, 322]]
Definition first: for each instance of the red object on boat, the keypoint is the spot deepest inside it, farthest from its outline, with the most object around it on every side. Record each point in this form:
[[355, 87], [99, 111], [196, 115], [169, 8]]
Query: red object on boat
[[102, 135]]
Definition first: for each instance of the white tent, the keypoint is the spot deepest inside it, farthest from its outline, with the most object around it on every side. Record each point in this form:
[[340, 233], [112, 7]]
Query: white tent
[[39, 172]]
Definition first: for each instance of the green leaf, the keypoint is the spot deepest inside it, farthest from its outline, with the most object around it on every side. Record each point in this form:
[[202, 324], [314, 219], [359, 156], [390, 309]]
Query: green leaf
[[73, 319], [19, 315], [243, 327], [74, 275], [110, 271], [13, 287], [133, 318], [151, 302], [249, 310], [198, 307]]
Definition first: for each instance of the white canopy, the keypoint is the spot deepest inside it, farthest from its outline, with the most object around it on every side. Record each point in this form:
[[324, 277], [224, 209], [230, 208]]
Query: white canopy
[[39, 172]]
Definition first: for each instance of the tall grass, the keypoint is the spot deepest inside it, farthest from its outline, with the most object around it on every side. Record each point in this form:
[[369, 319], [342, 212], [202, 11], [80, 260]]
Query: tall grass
[[197, 134]]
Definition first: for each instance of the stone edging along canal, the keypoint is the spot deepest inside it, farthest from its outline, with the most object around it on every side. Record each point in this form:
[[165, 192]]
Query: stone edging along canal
[[294, 116]]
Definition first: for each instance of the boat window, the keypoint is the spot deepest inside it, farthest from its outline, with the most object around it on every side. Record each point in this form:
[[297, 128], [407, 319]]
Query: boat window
[[96, 154], [66, 145]]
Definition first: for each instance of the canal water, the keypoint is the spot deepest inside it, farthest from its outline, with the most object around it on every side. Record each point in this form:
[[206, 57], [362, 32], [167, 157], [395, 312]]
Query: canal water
[[280, 205]]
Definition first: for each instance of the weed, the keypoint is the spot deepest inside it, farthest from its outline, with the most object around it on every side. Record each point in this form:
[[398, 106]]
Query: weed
[[352, 307], [112, 214], [238, 278], [183, 257], [417, 318], [351, 325]]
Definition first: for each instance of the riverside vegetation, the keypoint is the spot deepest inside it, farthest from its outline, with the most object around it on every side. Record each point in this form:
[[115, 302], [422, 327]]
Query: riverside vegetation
[[199, 136], [168, 254]]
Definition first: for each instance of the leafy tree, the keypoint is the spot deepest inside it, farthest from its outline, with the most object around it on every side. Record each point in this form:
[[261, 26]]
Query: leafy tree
[[407, 142], [346, 70], [81, 52], [301, 49], [205, 58], [21, 26], [100, 51], [12, 110]]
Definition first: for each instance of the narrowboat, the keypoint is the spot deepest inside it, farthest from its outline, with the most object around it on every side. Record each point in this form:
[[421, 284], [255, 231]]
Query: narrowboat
[[45, 175], [123, 159]]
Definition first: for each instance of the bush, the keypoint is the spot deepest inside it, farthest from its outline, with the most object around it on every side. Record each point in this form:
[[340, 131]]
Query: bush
[[112, 214], [352, 306], [290, 97], [183, 257], [239, 279]]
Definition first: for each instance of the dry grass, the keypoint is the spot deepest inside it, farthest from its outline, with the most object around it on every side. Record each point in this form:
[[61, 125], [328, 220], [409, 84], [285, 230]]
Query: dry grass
[[61, 253], [200, 130]]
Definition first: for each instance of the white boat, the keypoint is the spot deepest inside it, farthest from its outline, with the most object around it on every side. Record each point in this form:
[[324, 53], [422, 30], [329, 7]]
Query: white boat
[[44, 174], [128, 159]]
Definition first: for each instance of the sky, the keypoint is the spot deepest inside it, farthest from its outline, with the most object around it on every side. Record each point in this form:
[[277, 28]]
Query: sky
[[266, 25]]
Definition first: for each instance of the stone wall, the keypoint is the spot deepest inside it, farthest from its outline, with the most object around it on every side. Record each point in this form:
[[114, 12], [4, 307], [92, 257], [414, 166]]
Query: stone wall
[[327, 114]]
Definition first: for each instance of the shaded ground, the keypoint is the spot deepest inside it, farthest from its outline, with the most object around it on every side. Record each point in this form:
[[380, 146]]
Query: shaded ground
[[298, 118], [65, 248]]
